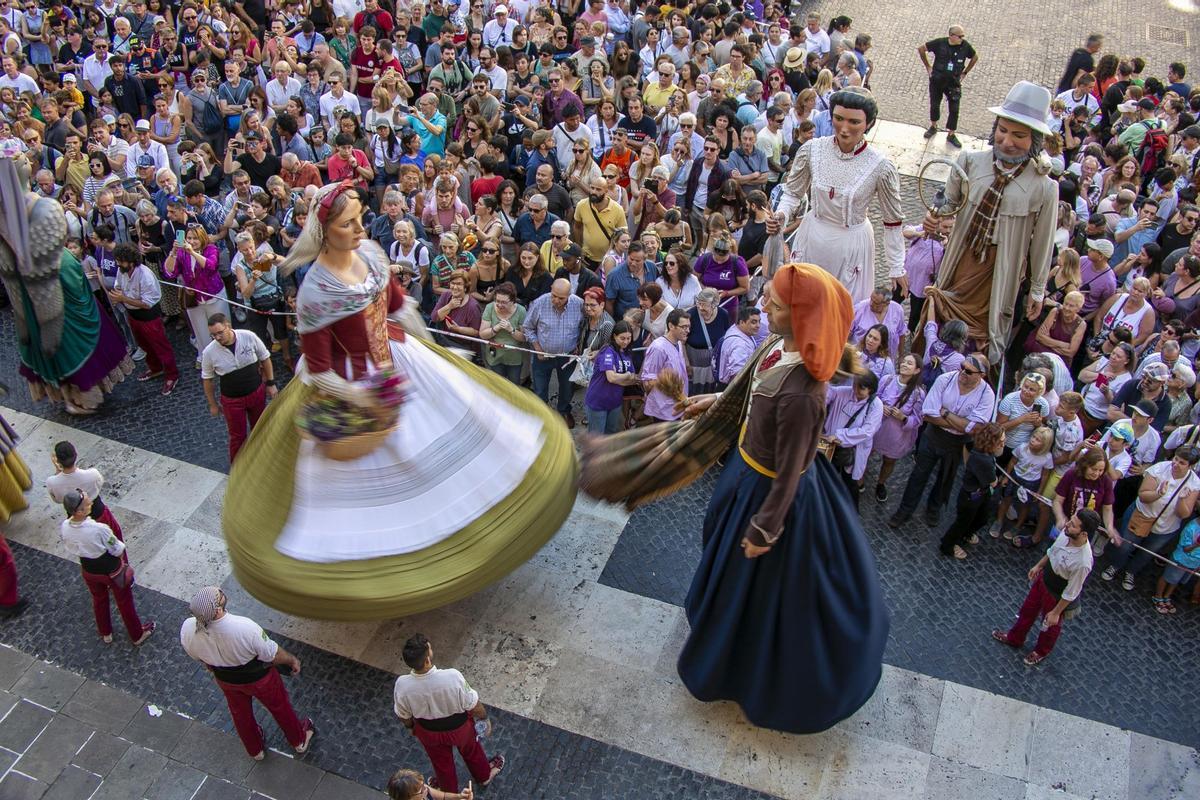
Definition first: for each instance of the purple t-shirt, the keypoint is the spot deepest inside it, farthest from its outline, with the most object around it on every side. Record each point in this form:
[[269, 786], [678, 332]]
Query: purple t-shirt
[[722, 276], [1097, 284], [602, 395]]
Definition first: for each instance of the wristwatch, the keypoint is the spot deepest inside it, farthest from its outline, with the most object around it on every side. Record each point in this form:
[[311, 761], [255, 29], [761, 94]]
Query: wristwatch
[[270, 382]]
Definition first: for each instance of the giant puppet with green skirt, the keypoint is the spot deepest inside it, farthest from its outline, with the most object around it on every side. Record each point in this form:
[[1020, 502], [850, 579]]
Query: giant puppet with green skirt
[[391, 476]]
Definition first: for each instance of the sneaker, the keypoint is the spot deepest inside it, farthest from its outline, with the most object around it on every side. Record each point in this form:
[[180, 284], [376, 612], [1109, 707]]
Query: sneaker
[[881, 493], [1127, 583], [169, 386], [497, 765], [995, 530], [138, 354], [106, 639], [953, 141], [931, 131], [148, 376], [1098, 546], [1109, 573], [147, 632], [310, 731]]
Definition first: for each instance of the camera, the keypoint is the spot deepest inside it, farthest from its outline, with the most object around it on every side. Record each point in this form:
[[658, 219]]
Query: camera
[[651, 185]]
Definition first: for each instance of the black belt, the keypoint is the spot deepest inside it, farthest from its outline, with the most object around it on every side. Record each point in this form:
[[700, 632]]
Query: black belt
[[1054, 582], [249, 672], [443, 724], [105, 564]]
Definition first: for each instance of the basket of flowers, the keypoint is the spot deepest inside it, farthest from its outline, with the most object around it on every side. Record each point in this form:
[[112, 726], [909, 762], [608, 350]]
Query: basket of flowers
[[344, 431]]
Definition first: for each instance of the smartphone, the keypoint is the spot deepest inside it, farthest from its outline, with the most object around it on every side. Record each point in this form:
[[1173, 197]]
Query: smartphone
[[179, 238]]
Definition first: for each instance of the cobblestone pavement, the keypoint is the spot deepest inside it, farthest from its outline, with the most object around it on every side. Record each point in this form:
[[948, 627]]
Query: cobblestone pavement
[[1015, 41], [359, 741], [1113, 663]]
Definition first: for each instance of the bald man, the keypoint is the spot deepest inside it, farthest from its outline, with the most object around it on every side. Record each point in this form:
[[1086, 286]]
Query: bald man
[[953, 59], [552, 329]]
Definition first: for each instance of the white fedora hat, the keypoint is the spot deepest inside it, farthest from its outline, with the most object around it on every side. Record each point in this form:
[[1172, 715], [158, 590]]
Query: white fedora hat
[[1028, 104]]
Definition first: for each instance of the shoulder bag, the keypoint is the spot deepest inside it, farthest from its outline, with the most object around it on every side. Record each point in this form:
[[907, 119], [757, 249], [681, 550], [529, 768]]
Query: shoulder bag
[[1142, 525]]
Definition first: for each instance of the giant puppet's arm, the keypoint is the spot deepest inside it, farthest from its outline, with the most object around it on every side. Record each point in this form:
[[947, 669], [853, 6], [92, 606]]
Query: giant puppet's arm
[[797, 182], [30, 250]]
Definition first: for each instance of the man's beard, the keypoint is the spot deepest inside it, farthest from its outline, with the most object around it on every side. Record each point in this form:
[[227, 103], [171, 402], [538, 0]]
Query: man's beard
[[1011, 161]]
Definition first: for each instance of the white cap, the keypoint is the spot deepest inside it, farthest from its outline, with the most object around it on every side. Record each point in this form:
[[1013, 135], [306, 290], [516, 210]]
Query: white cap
[[142, 125], [69, 78], [500, 10]]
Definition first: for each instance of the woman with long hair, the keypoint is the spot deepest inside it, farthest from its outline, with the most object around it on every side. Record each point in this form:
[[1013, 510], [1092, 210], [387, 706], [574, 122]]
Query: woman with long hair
[[875, 353], [485, 223], [1101, 380], [674, 232], [822, 88], [677, 281], [648, 159], [255, 268], [477, 137], [165, 128], [902, 394], [488, 271], [446, 543], [724, 131], [596, 86], [618, 250], [194, 265], [581, 172], [508, 209], [528, 275], [602, 124], [612, 373]]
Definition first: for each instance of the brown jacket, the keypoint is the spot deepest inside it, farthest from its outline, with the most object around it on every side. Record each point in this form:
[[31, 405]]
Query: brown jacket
[[783, 429]]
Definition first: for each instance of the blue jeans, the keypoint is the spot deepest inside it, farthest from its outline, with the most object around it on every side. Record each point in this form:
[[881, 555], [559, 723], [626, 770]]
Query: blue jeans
[[604, 421], [543, 369], [511, 373]]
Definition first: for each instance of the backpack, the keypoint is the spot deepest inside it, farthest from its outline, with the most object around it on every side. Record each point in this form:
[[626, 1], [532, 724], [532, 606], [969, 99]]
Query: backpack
[[211, 119], [1153, 150]]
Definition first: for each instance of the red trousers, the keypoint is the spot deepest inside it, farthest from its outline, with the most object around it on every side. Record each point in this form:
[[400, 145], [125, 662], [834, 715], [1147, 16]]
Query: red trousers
[[152, 338], [440, 745], [106, 517], [270, 691], [1038, 603], [8, 576], [100, 586], [238, 412]]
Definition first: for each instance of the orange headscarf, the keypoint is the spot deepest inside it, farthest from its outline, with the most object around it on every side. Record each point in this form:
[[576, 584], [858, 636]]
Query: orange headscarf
[[821, 315]]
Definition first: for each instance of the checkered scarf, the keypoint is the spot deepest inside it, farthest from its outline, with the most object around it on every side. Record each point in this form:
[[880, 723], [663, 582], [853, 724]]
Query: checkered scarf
[[983, 222], [638, 466]]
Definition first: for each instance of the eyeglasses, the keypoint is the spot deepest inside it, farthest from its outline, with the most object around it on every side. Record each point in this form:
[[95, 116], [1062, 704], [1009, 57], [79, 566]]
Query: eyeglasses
[[559, 235], [710, 149], [490, 251], [966, 371], [578, 150]]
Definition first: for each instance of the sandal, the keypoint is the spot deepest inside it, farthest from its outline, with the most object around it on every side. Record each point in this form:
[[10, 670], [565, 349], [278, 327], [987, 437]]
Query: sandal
[[1168, 605], [497, 765], [1008, 535], [959, 553], [1002, 637], [1160, 605], [974, 539], [1033, 659], [1023, 542]]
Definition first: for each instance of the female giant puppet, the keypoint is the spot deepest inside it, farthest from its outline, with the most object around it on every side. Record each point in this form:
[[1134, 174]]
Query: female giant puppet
[[475, 478], [786, 613], [71, 351]]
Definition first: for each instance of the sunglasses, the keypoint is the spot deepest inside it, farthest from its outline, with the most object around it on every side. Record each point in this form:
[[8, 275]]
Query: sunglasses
[[966, 371], [490, 252], [578, 150]]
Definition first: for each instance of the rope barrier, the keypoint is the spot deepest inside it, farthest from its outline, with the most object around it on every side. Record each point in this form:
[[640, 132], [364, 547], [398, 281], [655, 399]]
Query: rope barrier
[[1024, 495]]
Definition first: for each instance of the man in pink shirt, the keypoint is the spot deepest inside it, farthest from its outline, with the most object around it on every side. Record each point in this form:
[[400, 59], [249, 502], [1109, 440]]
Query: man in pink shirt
[[666, 352]]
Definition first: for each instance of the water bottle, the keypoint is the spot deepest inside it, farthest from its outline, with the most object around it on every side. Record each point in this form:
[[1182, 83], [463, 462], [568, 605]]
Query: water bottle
[[481, 729]]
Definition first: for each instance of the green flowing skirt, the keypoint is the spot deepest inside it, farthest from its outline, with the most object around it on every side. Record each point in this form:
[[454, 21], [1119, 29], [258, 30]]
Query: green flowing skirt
[[260, 496]]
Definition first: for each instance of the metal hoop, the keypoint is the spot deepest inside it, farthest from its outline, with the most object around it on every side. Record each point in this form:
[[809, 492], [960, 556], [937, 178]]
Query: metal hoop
[[940, 205]]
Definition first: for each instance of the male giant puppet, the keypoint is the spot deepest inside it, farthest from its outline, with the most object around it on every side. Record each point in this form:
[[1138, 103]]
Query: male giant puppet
[[1005, 230]]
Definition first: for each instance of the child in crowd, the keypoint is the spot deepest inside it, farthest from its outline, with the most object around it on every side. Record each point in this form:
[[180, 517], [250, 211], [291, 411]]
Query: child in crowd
[[1032, 462]]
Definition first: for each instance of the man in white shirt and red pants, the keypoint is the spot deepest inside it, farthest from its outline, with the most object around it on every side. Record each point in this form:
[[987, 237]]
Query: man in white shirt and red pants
[[437, 705], [242, 659], [137, 289], [1054, 589], [68, 477], [240, 362]]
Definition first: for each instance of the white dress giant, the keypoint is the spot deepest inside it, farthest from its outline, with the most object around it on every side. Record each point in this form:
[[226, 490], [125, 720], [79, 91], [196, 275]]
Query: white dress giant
[[835, 234]]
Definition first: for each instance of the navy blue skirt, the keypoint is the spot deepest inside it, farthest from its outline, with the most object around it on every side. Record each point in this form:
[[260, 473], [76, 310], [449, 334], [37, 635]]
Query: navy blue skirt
[[796, 636]]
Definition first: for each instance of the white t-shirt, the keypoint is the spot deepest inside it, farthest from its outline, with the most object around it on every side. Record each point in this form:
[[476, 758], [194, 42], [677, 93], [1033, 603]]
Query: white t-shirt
[[230, 641], [22, 83], [1169, 520], [701, 199], [1030, 465], [436, 694], [89, 481], [1067, 437]]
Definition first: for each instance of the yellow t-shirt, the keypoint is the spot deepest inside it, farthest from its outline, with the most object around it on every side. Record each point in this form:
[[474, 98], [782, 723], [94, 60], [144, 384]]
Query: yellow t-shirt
[[595, 238], [657, 97]]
